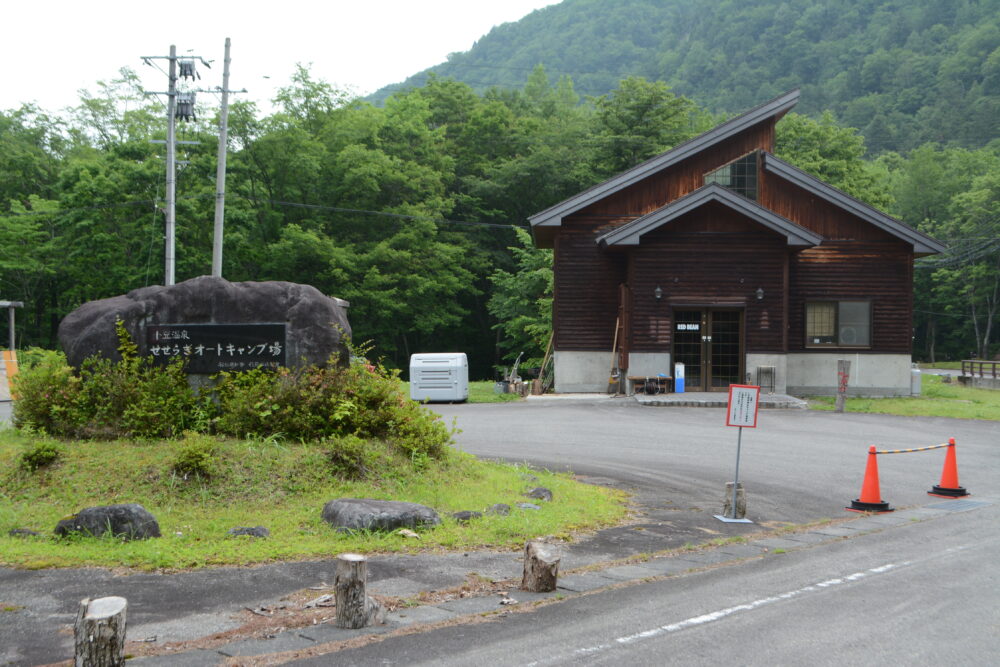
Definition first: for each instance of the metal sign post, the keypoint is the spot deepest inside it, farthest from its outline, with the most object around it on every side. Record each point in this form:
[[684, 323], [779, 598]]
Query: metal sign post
[[741, 412]]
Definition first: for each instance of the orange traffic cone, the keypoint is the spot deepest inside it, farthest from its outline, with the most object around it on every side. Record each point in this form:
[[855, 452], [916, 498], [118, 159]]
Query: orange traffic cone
[[871, 497], [949, 488]]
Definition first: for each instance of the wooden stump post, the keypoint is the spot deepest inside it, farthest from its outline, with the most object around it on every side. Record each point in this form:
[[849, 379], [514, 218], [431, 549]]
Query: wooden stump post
[[741, 502], [541, 567], [99, 633], [354, 608], [843, 376]]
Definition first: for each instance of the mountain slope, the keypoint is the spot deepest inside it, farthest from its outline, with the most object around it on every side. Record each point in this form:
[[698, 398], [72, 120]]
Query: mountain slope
[[903, 71]]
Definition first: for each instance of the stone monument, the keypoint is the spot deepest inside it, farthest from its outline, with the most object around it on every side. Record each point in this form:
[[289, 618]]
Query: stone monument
[[214, 325]]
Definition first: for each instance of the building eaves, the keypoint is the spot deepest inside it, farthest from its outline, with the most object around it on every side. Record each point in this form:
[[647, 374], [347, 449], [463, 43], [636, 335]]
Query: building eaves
[[922, 244], [631, 233], [777, 107]]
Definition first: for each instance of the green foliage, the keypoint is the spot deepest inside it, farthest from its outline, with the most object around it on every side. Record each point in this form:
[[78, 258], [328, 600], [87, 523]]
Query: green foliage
[[832, 153], [39, 454], [127, 398], [351, 457], [315, 403], [897, 71], [522, 301], [637, 120], [197, 456], [46, 389]]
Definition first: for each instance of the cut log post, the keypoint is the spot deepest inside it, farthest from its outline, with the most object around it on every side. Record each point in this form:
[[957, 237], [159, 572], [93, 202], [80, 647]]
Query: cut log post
[[99, 633], [354, 608], [541, 567], [741, 502]]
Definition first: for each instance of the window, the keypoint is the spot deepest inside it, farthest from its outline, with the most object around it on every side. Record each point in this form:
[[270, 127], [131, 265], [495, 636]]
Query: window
[[838, 324], [740, 176]]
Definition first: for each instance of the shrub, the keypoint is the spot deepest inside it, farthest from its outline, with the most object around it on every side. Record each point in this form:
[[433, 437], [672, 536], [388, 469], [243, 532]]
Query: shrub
[[314, 403], [351, 457], [47, 390], [130, 398], [40, 454], [197, 456]]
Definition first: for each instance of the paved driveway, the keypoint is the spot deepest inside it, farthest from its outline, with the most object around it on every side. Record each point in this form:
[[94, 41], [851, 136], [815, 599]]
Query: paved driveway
[[797, 466]]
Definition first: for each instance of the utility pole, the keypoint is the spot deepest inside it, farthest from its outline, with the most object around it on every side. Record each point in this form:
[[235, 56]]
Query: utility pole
[[220, 170], [187, 70], [168, 253]]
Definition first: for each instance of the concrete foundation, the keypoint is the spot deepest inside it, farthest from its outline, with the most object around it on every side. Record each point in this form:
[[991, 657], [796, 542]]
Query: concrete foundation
[[798, 374], [874, 375], [776, 361], [582, 372]]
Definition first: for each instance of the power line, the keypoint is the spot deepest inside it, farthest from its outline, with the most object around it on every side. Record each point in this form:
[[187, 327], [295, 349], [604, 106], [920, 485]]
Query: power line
[[320, 207]]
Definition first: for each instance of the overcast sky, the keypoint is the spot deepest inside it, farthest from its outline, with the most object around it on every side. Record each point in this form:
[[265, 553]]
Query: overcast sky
[[50, 49]]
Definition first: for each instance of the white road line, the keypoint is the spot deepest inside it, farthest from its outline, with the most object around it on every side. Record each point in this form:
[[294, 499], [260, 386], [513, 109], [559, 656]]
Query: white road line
[[723, 613]]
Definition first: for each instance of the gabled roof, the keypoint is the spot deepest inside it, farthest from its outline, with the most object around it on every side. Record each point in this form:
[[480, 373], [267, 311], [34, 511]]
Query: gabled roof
[[631, 233], [922, 244], [776, 108]]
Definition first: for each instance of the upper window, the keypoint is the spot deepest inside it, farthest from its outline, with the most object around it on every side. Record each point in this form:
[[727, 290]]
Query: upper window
[[838, 324], [740, 176]]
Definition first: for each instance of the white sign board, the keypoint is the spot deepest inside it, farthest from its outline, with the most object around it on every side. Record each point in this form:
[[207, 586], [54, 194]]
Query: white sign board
[[743, 401]]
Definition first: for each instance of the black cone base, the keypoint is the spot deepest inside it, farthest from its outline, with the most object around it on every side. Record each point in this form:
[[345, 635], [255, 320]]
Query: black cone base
[[858, 506], [946, 492]]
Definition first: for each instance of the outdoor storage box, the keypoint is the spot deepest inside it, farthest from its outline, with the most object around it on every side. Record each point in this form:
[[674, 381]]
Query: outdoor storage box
[[439, 376]]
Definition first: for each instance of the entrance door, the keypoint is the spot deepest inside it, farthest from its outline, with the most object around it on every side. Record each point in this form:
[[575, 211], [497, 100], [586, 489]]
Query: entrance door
[[709, 343]]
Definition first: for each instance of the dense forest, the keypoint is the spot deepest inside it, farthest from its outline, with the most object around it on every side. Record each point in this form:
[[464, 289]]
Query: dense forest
[[896, 69], [415, 210]]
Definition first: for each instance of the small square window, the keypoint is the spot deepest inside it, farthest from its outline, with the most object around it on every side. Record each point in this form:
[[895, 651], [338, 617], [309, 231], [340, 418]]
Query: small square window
[[838, 324], [740, 176]]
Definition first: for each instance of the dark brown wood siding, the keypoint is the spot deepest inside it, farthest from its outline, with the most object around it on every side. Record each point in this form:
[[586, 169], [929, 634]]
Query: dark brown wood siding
[[815, 214], [881, 272], [711, 256], [681, 178], [586, 289]]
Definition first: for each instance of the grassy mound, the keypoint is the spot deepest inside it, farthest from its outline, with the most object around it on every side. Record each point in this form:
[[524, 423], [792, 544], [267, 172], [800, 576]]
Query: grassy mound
[[201, 486]]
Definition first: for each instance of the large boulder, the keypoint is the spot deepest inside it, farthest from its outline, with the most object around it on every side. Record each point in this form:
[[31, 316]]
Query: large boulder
[[315, 323], [382, 515], [130, 521]]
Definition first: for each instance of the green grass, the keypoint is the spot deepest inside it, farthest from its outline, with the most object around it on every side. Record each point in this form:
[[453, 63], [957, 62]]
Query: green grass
[[281, 486], [479, 392], [937, 399]]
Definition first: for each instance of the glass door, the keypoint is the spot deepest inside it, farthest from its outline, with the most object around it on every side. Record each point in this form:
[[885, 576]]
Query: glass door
[[710, 345], [689, 348], [725, 358]]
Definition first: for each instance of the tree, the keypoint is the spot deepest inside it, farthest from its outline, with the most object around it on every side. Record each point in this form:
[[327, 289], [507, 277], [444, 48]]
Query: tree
[[832, 153], [637, 120], [521, 301]]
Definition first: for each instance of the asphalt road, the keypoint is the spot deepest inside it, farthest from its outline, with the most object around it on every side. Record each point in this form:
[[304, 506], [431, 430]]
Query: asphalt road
[[797, 465], [918, 594]]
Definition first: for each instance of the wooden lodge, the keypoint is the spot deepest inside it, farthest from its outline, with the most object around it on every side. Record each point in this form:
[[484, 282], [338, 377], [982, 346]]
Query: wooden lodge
[[718, 255]]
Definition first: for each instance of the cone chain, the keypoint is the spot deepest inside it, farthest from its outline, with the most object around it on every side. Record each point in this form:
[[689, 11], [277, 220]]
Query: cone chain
[[871, 497], [949, 488]]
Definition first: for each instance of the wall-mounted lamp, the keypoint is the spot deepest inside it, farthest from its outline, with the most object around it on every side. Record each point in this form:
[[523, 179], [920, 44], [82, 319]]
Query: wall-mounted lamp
[[658, 293], [760, 293]]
